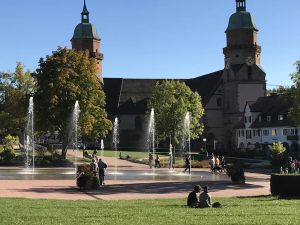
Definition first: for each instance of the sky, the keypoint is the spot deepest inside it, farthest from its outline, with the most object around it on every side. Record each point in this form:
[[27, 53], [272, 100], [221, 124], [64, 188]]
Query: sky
[[150, 38]]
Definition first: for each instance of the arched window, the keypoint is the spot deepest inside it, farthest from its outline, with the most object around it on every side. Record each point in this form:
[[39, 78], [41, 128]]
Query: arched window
[[219, 102]]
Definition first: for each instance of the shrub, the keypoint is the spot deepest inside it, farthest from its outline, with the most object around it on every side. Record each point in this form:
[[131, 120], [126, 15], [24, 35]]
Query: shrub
[[86, 179], [40, 151], [286, 185], [277, 151], [236, 172], [7, 154], [10, 141]]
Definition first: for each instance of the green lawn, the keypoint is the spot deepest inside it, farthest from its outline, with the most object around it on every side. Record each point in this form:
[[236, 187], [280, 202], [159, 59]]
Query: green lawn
[[263, 210]]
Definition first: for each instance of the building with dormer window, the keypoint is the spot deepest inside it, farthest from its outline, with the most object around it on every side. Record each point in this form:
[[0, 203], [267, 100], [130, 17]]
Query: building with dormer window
[[266, 121]]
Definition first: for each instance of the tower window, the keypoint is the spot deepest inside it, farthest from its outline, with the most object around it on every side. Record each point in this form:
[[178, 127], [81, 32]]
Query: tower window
[[249, 73], [219, 102]]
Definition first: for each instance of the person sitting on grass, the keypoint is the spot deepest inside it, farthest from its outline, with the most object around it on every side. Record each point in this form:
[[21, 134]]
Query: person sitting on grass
[[94, 153], [192, 200], [86, 154], [206, 201], [94, 167]]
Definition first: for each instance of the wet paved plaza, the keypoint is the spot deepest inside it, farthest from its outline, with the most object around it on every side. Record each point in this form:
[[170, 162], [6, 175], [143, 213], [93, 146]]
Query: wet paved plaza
[[124, 174]]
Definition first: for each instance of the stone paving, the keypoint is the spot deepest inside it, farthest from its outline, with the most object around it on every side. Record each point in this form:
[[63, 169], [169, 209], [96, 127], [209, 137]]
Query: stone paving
[[257, 185]]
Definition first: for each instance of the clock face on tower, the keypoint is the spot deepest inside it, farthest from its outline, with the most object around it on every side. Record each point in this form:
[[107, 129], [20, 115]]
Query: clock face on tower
[[227, 63], [250, 61]]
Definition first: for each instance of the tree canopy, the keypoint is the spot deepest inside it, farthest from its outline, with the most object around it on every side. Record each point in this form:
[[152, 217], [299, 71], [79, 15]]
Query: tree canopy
[[63, 78], [171, 101], [17, 87], [295, 91]]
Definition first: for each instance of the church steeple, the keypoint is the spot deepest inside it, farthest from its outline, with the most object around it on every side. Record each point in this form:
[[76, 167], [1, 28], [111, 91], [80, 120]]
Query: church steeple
[[85, 14], [85, 37], [242, 44], [240, 5]]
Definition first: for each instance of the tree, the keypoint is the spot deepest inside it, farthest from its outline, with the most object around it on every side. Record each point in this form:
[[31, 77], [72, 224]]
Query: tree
[[295, 90], [63, 78], [17, 87], [277, 151], [171, 101]]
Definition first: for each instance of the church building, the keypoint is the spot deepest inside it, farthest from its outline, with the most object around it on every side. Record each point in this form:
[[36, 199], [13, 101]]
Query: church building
[[224, 92]]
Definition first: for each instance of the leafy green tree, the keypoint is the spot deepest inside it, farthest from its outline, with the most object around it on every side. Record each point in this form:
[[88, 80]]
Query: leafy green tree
[[171, 101], [277, 151], [17, 86], [63, 78], [295, 90], [7, 152]]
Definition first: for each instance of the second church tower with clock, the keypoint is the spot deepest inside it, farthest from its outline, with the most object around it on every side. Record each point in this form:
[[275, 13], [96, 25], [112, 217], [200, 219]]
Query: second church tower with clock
[[243, 77]]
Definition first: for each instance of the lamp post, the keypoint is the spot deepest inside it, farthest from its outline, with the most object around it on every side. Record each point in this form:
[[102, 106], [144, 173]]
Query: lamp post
[[204, 140]]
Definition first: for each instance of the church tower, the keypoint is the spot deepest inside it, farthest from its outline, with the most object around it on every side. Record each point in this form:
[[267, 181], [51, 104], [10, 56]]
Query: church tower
[[86, 38], [242, 46], [243, 77]]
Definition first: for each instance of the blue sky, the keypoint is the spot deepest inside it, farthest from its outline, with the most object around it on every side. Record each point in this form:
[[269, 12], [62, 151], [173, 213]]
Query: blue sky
[[150, 38]]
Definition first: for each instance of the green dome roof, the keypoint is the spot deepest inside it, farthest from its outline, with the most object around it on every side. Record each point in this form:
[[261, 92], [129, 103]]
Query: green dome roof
[[85, 30], [241, 20]]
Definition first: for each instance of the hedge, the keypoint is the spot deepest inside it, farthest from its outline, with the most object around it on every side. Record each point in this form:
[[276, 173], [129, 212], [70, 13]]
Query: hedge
[[287, 185]]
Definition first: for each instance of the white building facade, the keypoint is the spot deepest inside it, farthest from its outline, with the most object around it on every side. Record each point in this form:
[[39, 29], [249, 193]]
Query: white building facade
[[266, 121]]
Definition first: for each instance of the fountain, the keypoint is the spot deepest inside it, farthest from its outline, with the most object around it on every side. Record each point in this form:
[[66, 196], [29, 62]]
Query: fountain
[[171, 166], [76, 113], [102, 148], [115, 143], [151, 140], [186, 137], [29, 137]]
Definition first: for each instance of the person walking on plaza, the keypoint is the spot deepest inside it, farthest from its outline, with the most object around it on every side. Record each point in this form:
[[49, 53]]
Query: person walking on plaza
[[212, 162], [157, 162], [223, 163], [150, 160], [101, 169], [187, 164]]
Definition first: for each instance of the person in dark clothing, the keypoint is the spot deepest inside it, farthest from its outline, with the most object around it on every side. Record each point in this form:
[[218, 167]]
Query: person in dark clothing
[[157, 162], [192, 200], [223, 163], [187, 164], [101, 169], [150, 160]]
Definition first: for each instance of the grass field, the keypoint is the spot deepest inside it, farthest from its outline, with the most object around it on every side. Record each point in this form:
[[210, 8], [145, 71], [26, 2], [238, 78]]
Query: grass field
[[261, 210]]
